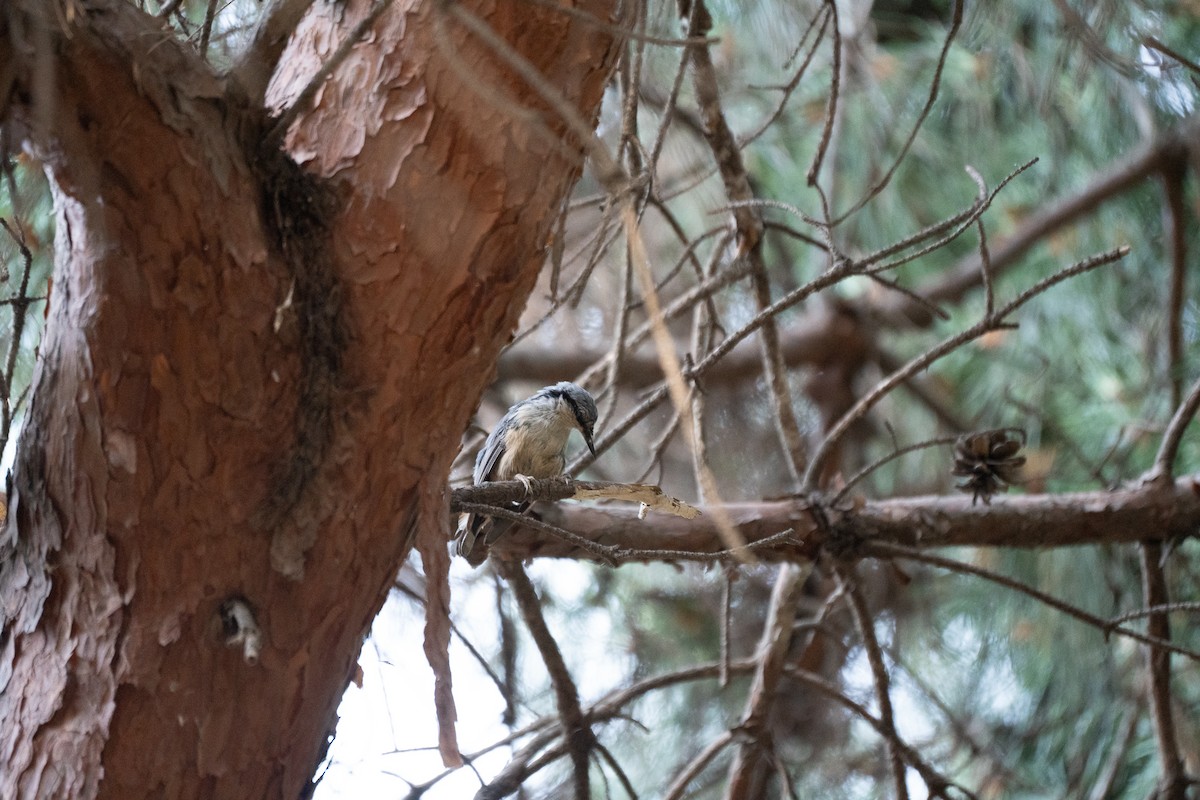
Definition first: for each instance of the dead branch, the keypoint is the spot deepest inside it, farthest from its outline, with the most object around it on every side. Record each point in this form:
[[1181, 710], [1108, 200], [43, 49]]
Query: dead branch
[[771, 657], [504, 492], [748, 222], [1165, 459], [879, 675], [937, 783], [1172, 784], [576, 732]]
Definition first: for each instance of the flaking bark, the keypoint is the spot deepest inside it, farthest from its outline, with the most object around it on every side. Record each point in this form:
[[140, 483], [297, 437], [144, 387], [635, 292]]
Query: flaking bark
[[168, 391]]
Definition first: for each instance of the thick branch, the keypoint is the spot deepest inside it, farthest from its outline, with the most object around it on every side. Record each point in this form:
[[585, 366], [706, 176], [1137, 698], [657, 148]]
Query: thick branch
[[820, 337], [1043, 520]]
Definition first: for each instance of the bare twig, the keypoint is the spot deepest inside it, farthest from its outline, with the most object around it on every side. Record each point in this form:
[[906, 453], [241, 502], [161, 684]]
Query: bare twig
[[835, 74], [882, 549], [896, 453], [419, 598], [617, 349], [866, 629], [605, 553], [510, 644], [1134, 167], [925, 393], [576, 731], [1175, 233], [20, 310], [523, 764], [668, 114], [985, 269], [1155, 44], [1164, 461], [822, 15], [956, 17], [1103, 789], [210, 14], [1173, 782], [608, 758], [968, 218], [726, 614], [1162, 608], [937, 783], [679, 786], [990, 323], [771, 655], [825, 281]]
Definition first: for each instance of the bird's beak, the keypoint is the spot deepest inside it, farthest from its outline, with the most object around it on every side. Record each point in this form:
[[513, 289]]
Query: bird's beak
[[587, 437]]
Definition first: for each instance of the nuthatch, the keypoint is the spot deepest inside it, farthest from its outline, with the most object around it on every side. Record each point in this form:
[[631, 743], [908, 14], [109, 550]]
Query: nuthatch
[[530, 442]]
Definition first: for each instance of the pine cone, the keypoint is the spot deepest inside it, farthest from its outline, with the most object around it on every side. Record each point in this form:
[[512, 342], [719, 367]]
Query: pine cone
[[989, 462]]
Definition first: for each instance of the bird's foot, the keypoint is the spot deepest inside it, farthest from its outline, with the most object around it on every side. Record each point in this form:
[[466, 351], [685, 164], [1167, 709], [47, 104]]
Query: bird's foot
[[527, 482]]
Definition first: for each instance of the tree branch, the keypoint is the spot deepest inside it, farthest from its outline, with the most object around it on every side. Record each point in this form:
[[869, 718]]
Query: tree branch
[[771, 657], [503, 493], [823, 335], [576, 732], [1024, 521], [879, 674], [1172, 784], [748, 221], [966, 274]]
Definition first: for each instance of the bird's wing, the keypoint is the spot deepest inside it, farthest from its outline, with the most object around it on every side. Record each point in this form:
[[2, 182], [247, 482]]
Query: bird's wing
[[473, 525], [489, 456]]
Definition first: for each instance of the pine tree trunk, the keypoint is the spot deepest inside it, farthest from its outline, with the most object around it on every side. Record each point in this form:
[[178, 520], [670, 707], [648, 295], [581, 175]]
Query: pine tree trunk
[[253, 378]]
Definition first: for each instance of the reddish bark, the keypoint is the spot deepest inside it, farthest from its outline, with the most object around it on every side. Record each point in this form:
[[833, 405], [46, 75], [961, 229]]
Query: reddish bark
[[170, 386]]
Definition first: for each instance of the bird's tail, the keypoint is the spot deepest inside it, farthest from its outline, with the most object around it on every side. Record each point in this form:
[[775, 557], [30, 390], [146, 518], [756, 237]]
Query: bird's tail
[[469, 528], [473, 526]]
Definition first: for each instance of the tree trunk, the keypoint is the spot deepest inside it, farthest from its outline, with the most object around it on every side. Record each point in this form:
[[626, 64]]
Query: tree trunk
[[252, 383]]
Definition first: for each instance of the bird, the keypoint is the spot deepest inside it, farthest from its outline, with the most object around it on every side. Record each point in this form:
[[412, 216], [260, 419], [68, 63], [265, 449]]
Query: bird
[[530, 441]]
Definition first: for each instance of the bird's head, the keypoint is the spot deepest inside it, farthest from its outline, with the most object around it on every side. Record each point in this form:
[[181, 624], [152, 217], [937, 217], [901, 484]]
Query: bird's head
[[582, 406]]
